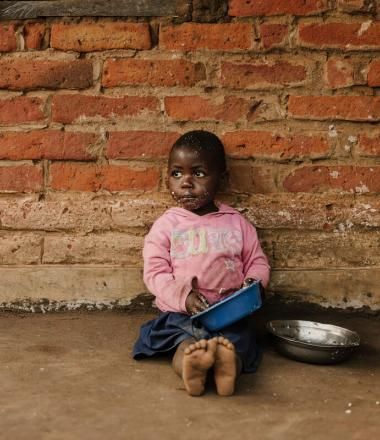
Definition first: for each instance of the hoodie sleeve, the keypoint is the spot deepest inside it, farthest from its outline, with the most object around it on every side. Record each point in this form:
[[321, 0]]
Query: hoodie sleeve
[[255, 263], [170, 293]]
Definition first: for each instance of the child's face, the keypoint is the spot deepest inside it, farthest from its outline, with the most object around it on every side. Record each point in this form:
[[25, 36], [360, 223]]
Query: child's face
[[193, 179]]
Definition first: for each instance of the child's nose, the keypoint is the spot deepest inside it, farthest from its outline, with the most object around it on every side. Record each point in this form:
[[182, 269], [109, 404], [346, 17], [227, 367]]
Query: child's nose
[[187, 181]]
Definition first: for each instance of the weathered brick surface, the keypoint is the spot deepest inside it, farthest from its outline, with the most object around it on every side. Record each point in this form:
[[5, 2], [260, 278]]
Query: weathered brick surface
[[340, 288], [351, 108], [261, 75], [274, 7], [345, 36], [88, 177], [8, 40], [121, 72], [193, 36], [264, 144], [20, 248], [339, 72], [273, 34], [70, 286], [139, 144], [84, 108], [34, 35], [80, 212], [354, 179], [247, 178], [321, 250], [312, 211], [21, 178], [369, 145], [21, 109], [23, 73], [110, 247], [374, 73], [195, 108], [50, 144], [88, 37], [89, 108], [354, 5]]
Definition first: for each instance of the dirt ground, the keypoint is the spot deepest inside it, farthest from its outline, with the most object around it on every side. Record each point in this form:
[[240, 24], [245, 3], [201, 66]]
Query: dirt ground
[[70, 376]]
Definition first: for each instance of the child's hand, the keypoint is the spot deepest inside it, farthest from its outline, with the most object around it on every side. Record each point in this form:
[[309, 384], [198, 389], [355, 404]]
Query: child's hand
[[195, 301], [248, 282]]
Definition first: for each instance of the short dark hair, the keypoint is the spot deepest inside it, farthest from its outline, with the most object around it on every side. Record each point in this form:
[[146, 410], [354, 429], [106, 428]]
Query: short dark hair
[[204, 141]]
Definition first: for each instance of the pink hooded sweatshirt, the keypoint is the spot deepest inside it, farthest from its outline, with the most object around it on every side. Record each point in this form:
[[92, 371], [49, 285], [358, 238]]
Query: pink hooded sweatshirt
[[218, 251]]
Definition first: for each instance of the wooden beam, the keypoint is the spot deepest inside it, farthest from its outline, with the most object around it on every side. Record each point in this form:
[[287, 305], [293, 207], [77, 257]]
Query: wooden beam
[[98, 8]]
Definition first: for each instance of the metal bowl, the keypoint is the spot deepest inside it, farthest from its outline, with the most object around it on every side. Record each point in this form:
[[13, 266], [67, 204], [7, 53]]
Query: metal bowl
[[313, 342]]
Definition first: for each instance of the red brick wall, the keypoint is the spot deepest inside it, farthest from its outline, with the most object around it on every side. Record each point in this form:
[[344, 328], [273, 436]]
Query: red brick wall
[[89, 108]]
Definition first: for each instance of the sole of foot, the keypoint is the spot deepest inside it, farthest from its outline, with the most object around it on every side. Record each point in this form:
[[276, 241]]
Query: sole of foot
[[225, 369], [197, 360]]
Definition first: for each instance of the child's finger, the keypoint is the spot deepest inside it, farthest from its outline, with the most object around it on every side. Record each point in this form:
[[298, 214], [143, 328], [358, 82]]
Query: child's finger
[[204, 300]]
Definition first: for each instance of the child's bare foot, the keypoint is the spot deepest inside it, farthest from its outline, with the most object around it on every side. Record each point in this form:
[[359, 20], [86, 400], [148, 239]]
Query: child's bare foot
[[197, 360], [225, 367]]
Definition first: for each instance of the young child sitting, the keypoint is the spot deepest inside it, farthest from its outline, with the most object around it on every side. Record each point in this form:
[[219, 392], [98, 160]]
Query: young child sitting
[[195, 255]]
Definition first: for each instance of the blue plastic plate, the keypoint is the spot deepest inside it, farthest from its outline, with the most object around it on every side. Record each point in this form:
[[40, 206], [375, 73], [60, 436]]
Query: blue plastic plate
[[231, 309]]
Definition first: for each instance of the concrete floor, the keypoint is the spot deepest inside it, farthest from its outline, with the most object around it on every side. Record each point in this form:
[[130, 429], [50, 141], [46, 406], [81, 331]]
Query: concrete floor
[[70, 376]]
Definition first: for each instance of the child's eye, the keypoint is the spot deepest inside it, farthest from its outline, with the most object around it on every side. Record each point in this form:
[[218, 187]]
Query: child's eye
[[199, 173], [176, 173]]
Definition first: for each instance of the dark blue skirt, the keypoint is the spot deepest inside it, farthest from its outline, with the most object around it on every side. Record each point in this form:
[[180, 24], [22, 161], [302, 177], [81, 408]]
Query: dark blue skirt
[[163, 335]]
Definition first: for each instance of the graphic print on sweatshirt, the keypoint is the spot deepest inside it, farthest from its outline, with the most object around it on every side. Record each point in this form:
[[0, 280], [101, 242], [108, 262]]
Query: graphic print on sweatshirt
[[205, 240]]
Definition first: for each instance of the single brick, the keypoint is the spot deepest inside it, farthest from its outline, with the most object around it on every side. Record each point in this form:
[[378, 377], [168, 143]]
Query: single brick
[[346, 36], [20, 248], [196, 108], [353, 179], [90, 177], [21, 178], [288, 210], [350, 108], [8, 40], [266, 108], [353, 5], [34, 35], [264, 144], [369, 145], [109, 247], [294, 249], [88, 37], [339, 72], [121, 72], [360, 212], [313, 211], [271, 74], [21, 109], [47, 144], [194, 36], [77, 212], [245, 8], [139, 144], [83, 108], [80, 212], [246, 178], [374, 73], [22, 73], [273, 35]]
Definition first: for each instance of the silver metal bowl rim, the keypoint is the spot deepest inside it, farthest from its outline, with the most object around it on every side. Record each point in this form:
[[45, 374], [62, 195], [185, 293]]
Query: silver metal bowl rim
[[271, 330]]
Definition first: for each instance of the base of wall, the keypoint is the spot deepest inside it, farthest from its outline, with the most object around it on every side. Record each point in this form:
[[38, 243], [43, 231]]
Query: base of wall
[[64, 288]]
